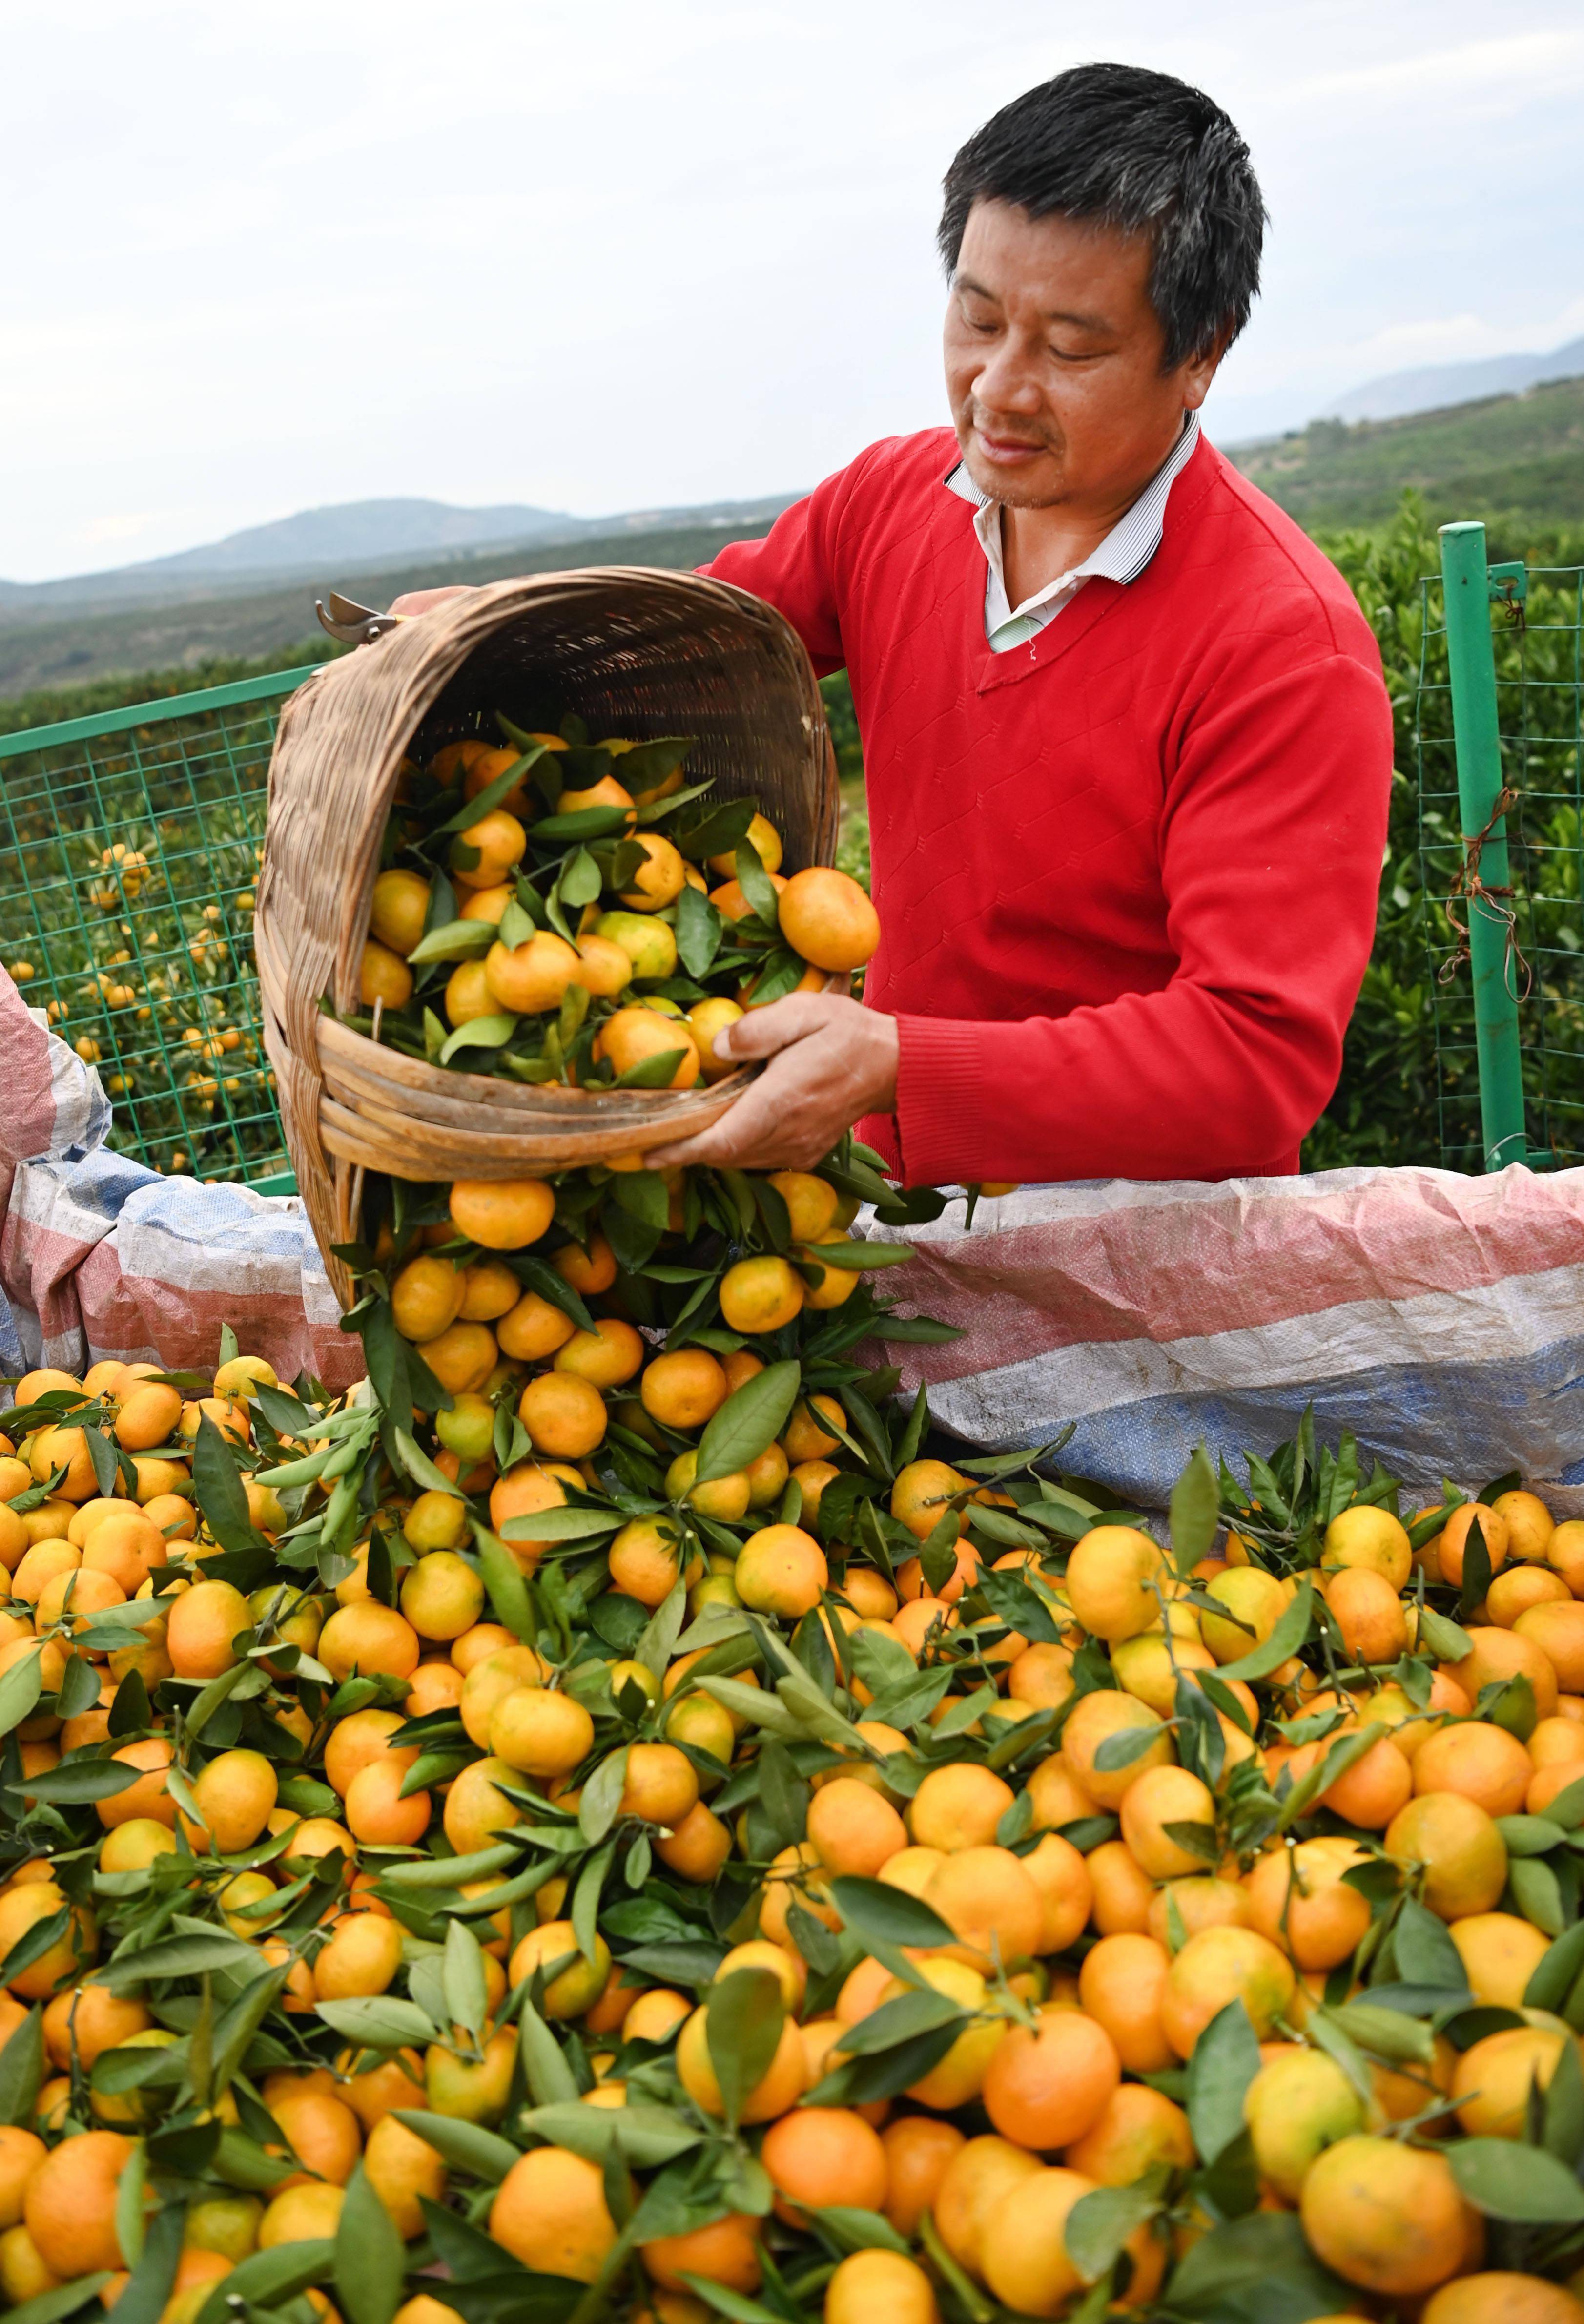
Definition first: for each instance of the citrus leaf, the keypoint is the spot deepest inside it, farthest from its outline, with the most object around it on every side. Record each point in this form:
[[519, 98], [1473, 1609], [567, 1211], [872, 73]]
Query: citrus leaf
[[1283, 1641], [465, 2145], [747, 1422], [742, 2029], [379, 2022], [270, 2278], [1506, 2180], [1225, 2061], [874, 1910], [1195, 1515], [20, 1689], [371, 2258]]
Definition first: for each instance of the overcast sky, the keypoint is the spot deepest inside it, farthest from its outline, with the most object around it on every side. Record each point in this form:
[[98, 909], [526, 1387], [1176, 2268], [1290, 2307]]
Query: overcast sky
[[599, 255]]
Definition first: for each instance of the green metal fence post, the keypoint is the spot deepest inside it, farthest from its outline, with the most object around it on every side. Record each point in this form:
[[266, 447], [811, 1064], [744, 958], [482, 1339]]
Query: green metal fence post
[[1472, 664]]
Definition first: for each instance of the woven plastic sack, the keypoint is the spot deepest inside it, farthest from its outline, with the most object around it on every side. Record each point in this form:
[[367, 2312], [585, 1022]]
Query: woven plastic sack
[[1438, 1317], [102, 1257]]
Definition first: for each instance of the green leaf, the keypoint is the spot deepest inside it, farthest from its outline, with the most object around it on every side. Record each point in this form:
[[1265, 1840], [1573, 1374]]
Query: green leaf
[[479, 1033], [507, 1584], [131, 2221], [371, 2259], [657, 1642], [1257, 2270], [878, 1912], [1562, 2124], [756, 884], [421, 1468], [749, 1422], [457, 940], [651, 1073], [79, 1690], [1385, 2032], [1425, 1953], [854, 2230], [903, 2019], [379, 2021], [602, 1798], [20, 1690], [1283, 1641], [268, 2279], [742, 2028], [699, 930], [1196, 1515], [465, 2145], [466, 1995], [1538, 1895], [183, 1956], [1127, 1744], [1506, 2180], [650, 2135], [77, 1781], [1100, 2222], [551, 2079], [1552, 1979], [50, 2307], [562, 1525], [474, 810], [1440, 1635], [218, 1488], [1225, 2061], [21, 2069]]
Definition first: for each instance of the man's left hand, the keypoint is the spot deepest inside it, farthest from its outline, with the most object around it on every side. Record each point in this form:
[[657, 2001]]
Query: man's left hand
[[832, 1061]]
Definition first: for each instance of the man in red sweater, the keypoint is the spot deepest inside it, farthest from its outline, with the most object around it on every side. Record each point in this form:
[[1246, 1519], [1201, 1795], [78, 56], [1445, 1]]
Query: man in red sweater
[[1126, 740]]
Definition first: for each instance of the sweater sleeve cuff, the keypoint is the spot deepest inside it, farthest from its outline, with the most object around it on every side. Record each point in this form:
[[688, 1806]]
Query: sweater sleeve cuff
[[940, 1093]]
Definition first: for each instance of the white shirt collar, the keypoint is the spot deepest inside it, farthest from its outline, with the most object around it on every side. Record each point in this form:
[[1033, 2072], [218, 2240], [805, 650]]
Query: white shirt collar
[[1123, 556]]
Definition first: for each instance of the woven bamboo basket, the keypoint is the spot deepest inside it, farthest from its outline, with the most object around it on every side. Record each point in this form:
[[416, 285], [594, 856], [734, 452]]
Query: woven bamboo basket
[[634, 652]]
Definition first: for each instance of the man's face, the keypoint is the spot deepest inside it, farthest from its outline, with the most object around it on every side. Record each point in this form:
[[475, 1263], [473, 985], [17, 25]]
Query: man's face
[[1053, 360]]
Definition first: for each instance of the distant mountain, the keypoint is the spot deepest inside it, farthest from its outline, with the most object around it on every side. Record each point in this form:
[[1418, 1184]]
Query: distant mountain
[[1397, 394], [357, 532], [328, 547]]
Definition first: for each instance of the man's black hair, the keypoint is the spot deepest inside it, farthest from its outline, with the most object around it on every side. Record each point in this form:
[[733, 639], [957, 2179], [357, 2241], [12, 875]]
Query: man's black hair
[[1142, 153]]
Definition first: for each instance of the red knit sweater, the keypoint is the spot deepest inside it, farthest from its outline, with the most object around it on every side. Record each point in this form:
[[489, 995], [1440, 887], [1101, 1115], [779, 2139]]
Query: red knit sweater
[[1126, 873]]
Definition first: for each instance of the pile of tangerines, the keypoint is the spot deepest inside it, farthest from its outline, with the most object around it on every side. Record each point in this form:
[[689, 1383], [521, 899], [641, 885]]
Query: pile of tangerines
[[558, 1912], [539, 918], [612, 1817]]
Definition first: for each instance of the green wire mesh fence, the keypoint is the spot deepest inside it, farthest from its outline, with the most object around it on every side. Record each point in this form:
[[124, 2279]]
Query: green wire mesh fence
[[129, 850], [1498, 730]]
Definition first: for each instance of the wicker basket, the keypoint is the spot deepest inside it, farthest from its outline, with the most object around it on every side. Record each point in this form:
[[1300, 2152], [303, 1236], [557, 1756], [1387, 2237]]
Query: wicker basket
[[635, 652]]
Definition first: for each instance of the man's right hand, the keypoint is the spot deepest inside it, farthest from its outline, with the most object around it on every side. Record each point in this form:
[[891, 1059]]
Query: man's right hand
[[423, 601]]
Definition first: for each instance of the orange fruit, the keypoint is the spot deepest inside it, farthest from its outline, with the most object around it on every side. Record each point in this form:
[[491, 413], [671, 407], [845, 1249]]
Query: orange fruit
[[726, 2251], [880, 2287], [68, 2205], [1453, 1540], [826, 918], [550, 2213], [919, 2147], [781, 1570], [1045, 2088], [1480, 1762], [1218, 1965], [1491, 2080], [1122, 1985], [1137, 2129], [975, 2179], [820, 2155], [1387, 2217]]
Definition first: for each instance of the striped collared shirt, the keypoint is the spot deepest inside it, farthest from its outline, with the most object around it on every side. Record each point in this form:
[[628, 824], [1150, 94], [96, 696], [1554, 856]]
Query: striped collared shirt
[[1121, 556]]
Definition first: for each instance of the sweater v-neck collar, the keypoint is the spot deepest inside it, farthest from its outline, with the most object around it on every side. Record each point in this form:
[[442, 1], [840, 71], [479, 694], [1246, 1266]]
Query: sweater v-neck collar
[[1094, 601]]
